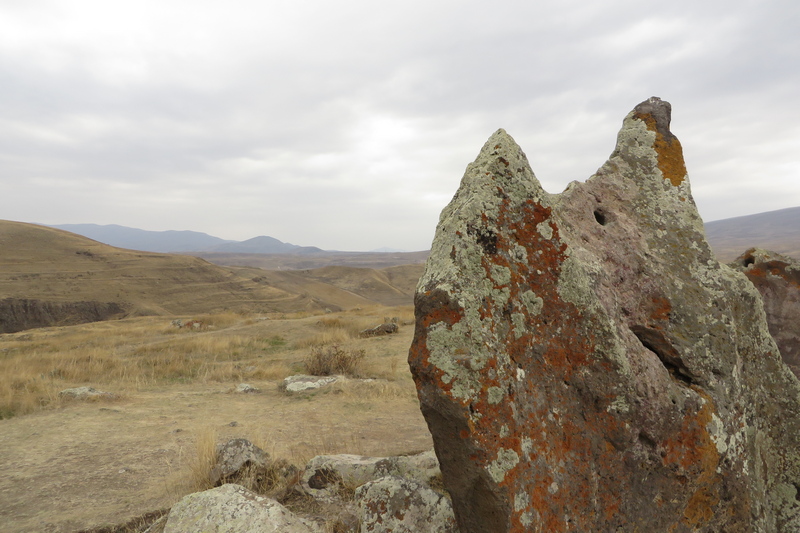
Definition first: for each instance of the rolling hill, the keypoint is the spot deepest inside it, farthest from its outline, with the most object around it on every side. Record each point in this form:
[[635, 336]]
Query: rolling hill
[[778, 231], [49, 277]]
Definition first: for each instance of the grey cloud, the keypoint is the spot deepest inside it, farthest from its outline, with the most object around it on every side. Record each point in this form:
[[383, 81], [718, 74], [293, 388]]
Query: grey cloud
[[365, 115]]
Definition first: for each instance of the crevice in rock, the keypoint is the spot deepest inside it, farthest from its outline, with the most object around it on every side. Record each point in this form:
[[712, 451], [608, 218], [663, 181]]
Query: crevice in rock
[[655, 341]]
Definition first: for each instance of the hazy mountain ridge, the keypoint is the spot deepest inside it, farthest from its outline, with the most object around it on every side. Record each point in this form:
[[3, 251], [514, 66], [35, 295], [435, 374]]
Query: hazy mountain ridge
[[173, 241], [778, 231], [45, 272]]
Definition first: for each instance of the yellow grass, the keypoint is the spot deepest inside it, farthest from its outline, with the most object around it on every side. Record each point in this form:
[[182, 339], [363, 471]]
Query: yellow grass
[[131, 354]]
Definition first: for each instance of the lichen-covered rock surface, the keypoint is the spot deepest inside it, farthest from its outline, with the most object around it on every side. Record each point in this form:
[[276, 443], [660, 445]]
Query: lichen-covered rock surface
[[327, 476], [585, 364], [234, 509], [398, 505], [777, 278]]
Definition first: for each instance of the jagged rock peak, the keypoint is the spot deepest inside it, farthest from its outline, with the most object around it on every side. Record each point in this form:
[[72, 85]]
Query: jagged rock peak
[[585, 364]]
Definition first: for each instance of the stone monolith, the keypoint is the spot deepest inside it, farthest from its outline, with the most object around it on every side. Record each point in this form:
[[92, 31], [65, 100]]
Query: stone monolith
[[585, 364]]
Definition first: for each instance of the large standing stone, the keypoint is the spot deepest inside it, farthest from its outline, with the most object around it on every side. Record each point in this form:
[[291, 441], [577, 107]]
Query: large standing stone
[[585, 364], [777, 278]]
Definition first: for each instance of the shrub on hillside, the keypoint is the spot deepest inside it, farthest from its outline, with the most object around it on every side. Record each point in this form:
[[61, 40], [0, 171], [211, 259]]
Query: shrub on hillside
[[333, 359]]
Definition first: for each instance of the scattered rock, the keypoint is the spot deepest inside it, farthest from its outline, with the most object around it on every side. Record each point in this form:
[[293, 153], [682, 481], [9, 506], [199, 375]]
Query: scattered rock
[[585, 364], [233, 458], [191, 324], [777, 278], [234, 509], [304, 383], [245, 388], [397, 505], [384, 329], [328, 477], [86, 393]]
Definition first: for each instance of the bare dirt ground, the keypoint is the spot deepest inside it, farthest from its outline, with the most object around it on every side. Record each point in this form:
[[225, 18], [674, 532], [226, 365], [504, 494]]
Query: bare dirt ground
[[89, 464]]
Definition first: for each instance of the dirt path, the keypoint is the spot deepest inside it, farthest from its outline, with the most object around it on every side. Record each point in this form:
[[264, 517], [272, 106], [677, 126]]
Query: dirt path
[[93, 464]]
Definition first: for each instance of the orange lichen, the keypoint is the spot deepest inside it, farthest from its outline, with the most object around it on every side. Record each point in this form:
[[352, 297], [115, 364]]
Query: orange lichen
[[695, 455], [661, 308], [669, 150]]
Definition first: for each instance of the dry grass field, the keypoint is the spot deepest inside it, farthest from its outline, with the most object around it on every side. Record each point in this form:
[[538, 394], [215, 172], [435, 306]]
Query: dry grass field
[[70, 465], [73, 465]]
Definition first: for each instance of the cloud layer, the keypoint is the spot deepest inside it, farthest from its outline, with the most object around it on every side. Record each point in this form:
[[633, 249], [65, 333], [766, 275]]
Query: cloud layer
[[348, 125]]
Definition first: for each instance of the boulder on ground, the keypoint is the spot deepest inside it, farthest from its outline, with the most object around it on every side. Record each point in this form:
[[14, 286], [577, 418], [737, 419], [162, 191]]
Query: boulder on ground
[[384, 329], [585, 364], [327, 477], [234, 509], [304, 383], [234, 458], [86, 393], [397, 505], [246, 388]]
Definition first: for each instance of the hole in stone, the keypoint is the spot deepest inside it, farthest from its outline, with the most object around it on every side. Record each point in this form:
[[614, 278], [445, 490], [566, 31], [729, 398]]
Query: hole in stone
[[471, 409], [646, 440], [600, 217], [749, 260], [797, 491]]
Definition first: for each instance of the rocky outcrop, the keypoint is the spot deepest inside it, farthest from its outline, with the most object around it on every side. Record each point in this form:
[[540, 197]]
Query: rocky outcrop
[[18, 314], [585, 364], [777, 278]]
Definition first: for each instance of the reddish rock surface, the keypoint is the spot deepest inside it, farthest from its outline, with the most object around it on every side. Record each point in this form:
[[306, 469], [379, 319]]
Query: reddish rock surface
[[777, 278], [585, 364]]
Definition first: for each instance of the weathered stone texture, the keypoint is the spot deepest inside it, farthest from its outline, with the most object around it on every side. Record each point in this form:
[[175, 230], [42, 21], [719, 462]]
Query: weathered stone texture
[[585, 364], [777, 278], [398, 505], [234, 509]]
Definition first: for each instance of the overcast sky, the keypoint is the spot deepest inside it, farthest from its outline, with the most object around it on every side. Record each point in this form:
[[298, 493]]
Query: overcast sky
[[348, 124]]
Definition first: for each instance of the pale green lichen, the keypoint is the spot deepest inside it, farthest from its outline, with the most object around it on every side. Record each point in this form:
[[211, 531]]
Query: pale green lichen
[[620, 405], [526, 519], [532, 303], [506, 460], [495, 395], [501, 275], [545, 229], [573, 284], [521, 500], [520, 324]]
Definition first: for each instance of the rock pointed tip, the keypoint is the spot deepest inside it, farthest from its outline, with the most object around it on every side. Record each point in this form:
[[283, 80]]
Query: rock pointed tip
[[660, 110]]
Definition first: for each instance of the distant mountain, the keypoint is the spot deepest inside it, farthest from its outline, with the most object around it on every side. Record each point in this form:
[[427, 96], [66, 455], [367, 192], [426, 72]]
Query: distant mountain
[[144, 240], [386, 250], [261, 245], [778, 231], [180, 241]]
